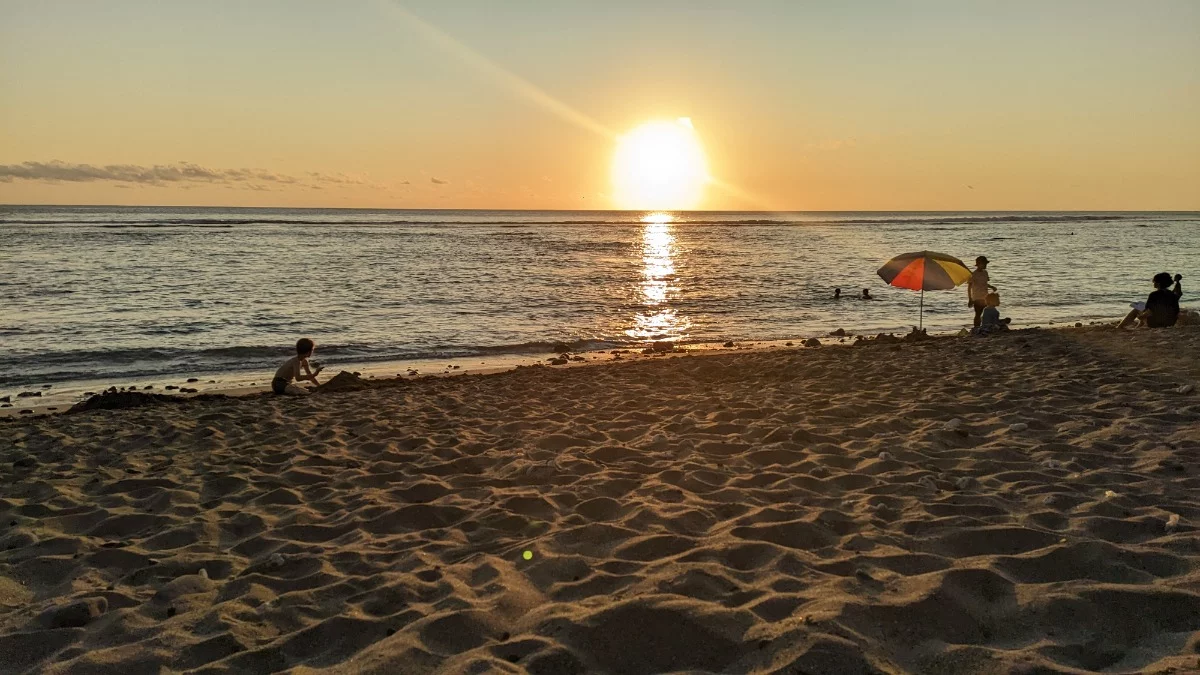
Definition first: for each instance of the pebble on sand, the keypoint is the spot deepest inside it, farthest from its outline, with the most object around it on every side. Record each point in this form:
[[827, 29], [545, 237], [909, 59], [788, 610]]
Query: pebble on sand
[[1018, 426]]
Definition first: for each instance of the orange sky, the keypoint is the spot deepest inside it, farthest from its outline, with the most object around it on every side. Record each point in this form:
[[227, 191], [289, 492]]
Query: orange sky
[[799, 106]]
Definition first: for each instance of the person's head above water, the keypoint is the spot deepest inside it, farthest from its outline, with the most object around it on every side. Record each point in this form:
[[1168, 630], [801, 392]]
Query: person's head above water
[[1162, 280], [837, 292], [866, 293], [305, 347], [981, 262]]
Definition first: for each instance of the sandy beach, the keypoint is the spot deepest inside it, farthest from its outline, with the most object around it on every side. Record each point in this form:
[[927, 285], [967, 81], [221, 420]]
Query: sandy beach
[[1024, 503]]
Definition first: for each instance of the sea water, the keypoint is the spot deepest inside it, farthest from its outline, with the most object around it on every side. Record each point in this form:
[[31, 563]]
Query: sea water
[[134, 294]]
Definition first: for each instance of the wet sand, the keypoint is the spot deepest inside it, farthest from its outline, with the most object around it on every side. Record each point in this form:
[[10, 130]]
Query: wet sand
[[1021, 503]]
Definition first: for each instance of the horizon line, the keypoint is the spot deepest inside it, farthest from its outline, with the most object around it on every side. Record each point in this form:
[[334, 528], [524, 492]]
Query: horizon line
[[782, 211]]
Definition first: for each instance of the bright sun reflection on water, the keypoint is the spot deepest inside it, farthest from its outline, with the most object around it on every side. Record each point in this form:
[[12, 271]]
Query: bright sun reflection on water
[[657, 320]]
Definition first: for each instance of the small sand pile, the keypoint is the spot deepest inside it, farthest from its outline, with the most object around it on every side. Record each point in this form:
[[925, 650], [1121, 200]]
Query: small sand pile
[[345, 381]]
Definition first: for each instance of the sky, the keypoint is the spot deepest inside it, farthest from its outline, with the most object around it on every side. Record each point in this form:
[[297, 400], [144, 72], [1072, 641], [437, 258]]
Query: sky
[[931, 105]]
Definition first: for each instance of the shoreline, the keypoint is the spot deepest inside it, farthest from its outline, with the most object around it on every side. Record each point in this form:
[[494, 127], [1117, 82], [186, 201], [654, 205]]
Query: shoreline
[[240, 383]]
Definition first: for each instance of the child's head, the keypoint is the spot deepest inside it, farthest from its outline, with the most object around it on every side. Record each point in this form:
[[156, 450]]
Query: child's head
[[305, 347], [1162, 280], [992, 299]]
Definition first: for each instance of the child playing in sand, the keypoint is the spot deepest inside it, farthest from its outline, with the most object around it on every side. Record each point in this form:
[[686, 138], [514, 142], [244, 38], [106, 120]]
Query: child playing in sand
[[990, 320], [291, 370]]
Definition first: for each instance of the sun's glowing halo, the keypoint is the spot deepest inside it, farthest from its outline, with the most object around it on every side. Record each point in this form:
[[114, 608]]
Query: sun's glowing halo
[[659, 166]]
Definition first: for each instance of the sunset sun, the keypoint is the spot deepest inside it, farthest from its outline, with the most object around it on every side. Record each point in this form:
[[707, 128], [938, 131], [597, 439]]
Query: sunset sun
[[659, 165]]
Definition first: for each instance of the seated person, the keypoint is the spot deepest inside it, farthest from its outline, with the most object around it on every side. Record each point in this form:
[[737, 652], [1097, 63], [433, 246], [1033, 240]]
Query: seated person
[[1161, 309], [990, 320], [296, 368]]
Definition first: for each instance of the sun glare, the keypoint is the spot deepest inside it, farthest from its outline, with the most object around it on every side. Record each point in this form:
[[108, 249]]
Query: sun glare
[[659, 166]]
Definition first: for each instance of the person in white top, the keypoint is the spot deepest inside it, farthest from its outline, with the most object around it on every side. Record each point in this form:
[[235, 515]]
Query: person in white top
[[296, 368], [978, 288]]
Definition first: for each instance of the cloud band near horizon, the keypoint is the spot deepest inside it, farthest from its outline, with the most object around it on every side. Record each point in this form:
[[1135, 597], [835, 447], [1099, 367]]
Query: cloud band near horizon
[[163, 174]]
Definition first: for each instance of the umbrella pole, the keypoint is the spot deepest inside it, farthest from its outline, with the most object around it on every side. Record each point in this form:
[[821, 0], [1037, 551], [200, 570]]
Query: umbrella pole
[[921, 320]]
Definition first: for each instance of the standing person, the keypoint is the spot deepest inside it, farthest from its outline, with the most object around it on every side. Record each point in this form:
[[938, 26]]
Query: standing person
[[978, 287]]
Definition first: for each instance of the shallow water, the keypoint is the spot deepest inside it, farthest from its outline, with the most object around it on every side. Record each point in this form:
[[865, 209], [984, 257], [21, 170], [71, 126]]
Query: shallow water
[[114, 293]]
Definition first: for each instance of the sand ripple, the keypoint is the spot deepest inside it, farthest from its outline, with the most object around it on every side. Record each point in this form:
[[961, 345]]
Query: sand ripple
[[805, 511]]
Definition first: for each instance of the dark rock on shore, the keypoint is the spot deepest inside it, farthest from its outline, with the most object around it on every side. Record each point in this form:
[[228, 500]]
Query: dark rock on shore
[[812, 342], [193, 379], [560, 348], [119, 400], [5, 399], [558, 362], [122, 400], [29, 394], [841, 332]]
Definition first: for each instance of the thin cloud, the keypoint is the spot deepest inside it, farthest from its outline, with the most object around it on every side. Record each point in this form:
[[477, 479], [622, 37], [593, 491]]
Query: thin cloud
[[439, 181], [182, 174]]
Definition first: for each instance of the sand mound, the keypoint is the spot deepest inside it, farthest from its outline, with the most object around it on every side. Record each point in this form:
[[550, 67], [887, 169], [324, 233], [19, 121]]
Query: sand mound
[[344, 381], [796, 511], [122, 400]]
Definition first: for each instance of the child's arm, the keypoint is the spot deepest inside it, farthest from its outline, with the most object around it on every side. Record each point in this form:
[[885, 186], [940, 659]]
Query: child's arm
[[308, 374]]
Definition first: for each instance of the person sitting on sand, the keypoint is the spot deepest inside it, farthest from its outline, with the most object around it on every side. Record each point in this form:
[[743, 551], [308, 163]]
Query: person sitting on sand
[[1161, 309], [990, 320], [978, 288], [291, 370], [867, 294]]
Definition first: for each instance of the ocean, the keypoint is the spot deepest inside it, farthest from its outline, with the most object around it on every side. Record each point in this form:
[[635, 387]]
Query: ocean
[[91, 296]]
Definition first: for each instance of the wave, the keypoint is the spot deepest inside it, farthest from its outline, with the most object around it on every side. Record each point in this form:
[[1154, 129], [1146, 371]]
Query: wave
[[899, 219], [129, 364]]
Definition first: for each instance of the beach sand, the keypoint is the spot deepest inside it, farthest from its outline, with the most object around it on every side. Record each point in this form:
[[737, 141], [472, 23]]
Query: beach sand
[[795, 511]]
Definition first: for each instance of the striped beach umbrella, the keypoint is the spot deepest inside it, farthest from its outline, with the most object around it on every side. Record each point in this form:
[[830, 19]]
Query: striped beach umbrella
[[925, 271]]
